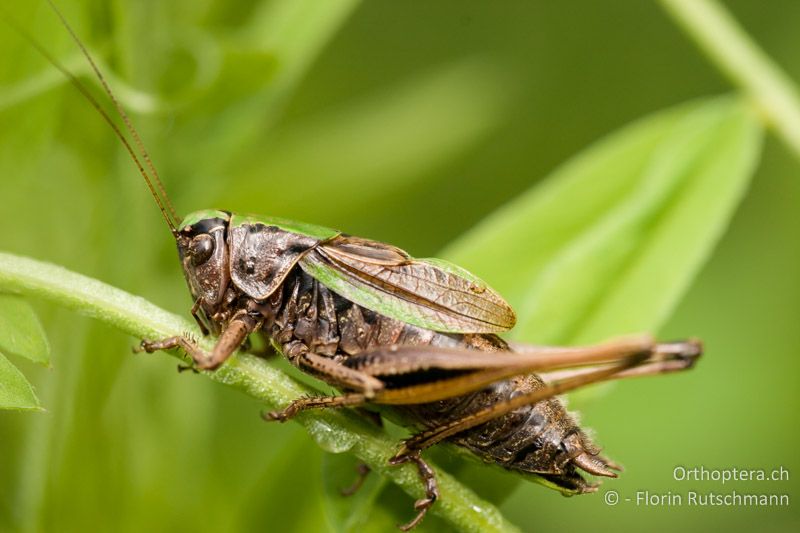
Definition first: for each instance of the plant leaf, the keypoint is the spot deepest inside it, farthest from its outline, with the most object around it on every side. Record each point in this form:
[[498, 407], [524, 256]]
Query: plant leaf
[[15, 391], [619, 231], [21, 333]]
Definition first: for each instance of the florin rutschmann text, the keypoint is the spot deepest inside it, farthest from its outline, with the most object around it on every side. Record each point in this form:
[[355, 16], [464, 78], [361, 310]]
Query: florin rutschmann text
[[701, 497]]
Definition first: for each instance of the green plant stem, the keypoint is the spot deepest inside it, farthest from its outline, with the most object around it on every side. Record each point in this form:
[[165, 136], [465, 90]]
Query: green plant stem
[[733, 51], [336, 431]]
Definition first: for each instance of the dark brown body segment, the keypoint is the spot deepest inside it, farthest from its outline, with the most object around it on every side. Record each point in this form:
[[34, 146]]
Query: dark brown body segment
[[304, 316]]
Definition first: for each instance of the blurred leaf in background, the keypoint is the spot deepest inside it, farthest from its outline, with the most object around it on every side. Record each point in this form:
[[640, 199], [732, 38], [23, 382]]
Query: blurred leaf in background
[[409, 123], [621, 230], [21, 335]]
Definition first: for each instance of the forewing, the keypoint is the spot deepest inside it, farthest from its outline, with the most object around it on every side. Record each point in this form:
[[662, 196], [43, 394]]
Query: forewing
[[429, 293]]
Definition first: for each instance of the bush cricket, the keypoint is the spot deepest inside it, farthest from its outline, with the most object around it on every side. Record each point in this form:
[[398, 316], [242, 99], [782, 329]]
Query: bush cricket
[[417, 335]]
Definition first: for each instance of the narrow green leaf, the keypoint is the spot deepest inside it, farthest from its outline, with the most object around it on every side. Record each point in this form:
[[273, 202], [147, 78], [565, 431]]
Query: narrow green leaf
[[15, 391], [21, 333], [610, 242], [677, 238]]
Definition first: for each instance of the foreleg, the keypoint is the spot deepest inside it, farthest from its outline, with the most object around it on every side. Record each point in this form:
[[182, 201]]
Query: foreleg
[[231, 339]]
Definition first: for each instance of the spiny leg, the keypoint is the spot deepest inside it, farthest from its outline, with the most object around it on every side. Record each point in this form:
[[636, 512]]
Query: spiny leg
[[403, 359], [668, 358], [363, 470], [339, 374], [234, 335], [184, 343], [428, 479], [363, 385], [362, 373], [432, 436], [351, 399], [473, 370]]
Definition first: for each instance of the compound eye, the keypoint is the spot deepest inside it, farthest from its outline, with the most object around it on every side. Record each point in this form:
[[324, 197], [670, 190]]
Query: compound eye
[[201, 248]]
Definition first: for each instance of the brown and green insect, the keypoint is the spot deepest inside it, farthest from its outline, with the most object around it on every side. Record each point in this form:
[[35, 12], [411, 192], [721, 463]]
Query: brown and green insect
[[384, 328]]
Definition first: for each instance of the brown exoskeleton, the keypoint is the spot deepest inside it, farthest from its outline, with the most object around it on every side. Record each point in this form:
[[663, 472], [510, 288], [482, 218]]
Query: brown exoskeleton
[[419, 335]]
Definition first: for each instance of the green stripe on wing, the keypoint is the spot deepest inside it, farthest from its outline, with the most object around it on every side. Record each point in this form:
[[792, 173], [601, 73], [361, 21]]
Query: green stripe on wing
[[429, 293]]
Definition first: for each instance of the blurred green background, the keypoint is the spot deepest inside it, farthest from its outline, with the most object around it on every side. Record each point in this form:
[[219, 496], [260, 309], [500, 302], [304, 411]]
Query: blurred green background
[[406, 122]]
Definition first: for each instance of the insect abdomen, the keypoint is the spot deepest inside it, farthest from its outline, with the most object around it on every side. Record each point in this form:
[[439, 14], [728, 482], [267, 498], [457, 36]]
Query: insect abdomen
[[305, 311], [542, 438]]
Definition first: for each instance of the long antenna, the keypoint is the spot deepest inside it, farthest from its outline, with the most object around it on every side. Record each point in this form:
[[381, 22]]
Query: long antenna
[[167, 212], [120, 109]]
